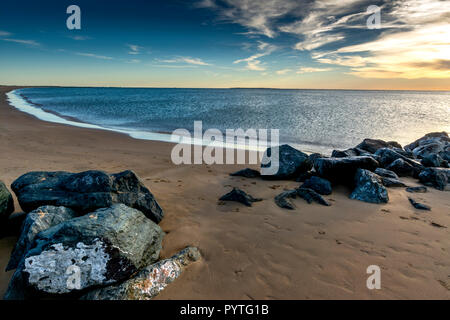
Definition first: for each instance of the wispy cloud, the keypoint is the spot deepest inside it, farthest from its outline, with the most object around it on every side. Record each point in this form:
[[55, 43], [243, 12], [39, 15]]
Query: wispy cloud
[[252, 62], [31, 43], [188, 60], [283, 71], [134, 49], [310, 70], [5, 34], [80, 38], [92, 55]]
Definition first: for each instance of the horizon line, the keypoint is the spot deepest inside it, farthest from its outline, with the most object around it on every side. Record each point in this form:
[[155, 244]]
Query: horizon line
[[218, 88]]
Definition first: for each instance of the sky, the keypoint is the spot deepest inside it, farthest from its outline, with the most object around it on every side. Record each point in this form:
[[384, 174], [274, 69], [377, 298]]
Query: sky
[[288, 44]]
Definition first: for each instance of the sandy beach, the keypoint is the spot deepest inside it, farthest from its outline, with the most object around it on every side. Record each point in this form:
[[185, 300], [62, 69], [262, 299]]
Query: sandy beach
[[259, 252]]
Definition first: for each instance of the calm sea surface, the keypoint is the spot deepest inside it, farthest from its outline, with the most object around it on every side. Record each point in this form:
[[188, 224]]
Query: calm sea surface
[[315, 120]]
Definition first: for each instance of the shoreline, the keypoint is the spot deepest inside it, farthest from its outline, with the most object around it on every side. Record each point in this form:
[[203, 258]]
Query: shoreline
[[24, 104], [259, 252]]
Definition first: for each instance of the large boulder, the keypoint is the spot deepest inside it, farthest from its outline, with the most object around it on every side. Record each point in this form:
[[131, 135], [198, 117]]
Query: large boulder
[[6, 203], [97, 249], [440, 137], [291, 162], [369, 188], [342, 170], [149, 282], [434, 177], [320, 185], [373, 145], [36, 221], [85, 192]]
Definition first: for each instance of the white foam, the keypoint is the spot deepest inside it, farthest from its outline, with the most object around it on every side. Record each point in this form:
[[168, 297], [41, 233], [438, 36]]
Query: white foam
[[21, 104]]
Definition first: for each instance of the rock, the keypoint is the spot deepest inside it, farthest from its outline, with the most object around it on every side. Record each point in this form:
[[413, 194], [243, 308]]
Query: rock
[[313, 157], [85, 192], [320, 185], [305, 176], [430, 137], [344, 153], [282, 199], [13, 225], [392, 183], [149, 282], [238, 195], [343, 170], [404, 153], [434, 177], [308, 194], [97, 249], [36, 221], [434, 160], [369, 188], [425, 150], [6, 203], [419, 206], [373, 145], [246, 173], [291, 162], [403, 168], [387, 156], [417, 189], [386, 173]]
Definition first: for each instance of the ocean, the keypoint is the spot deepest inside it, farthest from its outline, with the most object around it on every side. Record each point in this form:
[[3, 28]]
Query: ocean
[[311, 120]]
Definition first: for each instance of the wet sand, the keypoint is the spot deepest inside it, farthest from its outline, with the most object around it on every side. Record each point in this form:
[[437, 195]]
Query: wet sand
[[262, 252]]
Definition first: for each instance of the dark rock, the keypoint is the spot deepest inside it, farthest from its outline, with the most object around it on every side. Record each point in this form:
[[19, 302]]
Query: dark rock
[[85, 192], [308, 194], [434, 177], [403, 168], [387, 156], [13, 225], [313, 157], [305, 176], [417, 189], [238, 195], [6, 203], [369, 188], [291, 162], [419, 206], [246, 173], [386, 173], [392, 183], [373, 145], [344, 153], [404, 153], [434, 160], [282, 199], [425, 150], [430, 137], [343, 170], [320, 185], [36, 221], [149, 282], [98, 249]]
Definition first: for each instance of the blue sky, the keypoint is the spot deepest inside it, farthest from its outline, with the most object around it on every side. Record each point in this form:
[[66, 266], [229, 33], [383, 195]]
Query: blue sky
[[227, 43]]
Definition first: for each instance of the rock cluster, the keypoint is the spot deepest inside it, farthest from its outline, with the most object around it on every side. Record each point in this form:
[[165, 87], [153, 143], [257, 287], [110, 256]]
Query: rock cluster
[[85, 233], [369, 168]]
